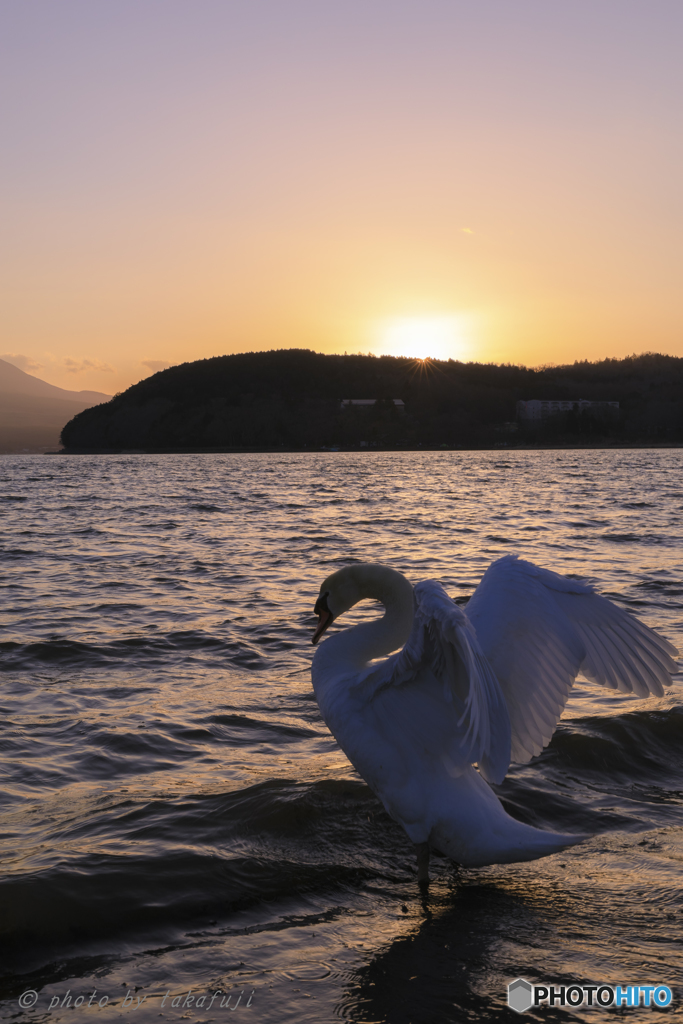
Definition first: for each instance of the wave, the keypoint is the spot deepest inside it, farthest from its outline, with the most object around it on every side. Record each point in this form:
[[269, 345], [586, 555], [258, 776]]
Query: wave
[[623, 772], [145, 649], [191, 861]]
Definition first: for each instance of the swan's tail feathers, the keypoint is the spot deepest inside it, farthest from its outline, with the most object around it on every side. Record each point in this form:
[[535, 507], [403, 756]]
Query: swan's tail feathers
[[478, 830], [469, 823], [536, 843], [515, 842]]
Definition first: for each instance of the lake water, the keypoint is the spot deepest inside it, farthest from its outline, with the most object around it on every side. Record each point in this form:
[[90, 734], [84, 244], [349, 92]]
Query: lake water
[[176, 818]]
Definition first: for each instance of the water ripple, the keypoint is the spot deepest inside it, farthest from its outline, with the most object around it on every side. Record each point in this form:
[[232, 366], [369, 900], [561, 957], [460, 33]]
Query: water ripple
[[173, 809]]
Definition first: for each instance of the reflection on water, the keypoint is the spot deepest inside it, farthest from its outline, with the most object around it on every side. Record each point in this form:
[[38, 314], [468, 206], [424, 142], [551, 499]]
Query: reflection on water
[[613, 914], [450, 965], [176, 817]]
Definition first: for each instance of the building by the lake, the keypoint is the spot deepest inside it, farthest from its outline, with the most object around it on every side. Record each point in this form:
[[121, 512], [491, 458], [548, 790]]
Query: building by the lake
[[541, 408], [370, 403]]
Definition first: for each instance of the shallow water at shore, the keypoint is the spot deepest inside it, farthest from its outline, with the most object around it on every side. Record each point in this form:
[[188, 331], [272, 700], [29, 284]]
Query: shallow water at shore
[[175, 815]]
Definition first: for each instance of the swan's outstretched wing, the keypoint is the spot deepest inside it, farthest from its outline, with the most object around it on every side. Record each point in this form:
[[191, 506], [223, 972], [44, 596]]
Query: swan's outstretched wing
[[441, 691], [539, 631]]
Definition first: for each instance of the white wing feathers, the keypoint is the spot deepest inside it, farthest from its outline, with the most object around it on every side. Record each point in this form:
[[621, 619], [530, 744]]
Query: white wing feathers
[[489, 686], [441, 672], [540, 630]]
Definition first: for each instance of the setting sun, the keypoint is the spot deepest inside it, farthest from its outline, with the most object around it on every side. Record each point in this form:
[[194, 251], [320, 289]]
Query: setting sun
[[423, 337]]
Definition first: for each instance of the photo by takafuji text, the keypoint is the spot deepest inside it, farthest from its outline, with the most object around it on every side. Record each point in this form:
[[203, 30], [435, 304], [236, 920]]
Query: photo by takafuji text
[[216, 999]]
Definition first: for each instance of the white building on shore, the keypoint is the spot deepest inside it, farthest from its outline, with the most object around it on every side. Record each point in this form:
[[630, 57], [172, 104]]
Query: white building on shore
[[540, 408], [368, 403]]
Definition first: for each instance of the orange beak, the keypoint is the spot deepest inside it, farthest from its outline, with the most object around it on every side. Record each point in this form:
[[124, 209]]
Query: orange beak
[[324, 619], [324, 614]]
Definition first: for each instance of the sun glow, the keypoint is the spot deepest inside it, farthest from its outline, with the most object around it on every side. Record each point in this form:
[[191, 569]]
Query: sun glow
[[423, 337]]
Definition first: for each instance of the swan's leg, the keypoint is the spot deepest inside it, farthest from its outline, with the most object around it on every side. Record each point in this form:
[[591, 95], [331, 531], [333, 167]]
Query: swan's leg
[[422, 850]]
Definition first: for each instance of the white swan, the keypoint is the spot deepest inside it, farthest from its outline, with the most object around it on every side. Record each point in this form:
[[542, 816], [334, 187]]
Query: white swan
[[486, 687]]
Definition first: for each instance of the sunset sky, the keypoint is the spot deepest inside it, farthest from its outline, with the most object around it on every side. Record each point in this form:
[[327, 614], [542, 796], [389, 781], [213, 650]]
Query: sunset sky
[[497, 180]]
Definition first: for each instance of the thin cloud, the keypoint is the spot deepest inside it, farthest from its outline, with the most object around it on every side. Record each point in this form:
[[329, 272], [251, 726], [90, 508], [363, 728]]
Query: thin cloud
[[74, 366], [468, 231], [156, 364], [25, 363]]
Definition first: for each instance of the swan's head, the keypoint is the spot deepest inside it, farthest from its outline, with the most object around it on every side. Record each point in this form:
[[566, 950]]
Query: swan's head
[[338, 593], [352, 584]]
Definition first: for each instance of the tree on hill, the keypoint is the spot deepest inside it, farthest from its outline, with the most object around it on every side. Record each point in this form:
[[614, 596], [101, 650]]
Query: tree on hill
[[293, 398]]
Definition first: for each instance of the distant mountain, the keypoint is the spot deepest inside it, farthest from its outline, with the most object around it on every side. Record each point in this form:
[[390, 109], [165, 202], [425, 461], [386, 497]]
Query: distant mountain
[[14, 381], [293, 398], [33, 412]]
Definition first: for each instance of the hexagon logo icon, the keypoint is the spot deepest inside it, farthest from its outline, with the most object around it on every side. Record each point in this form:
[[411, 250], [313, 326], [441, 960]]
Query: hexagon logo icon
[[519, 995]]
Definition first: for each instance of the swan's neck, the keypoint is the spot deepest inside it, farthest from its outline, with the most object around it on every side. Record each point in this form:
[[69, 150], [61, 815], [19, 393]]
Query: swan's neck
[[360, 644]]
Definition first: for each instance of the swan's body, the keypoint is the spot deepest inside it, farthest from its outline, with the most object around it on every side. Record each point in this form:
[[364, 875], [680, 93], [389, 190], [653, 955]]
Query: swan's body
[[485, 687]]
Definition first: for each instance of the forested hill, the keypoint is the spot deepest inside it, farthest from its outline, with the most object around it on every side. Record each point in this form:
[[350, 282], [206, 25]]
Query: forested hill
[[292, 398]]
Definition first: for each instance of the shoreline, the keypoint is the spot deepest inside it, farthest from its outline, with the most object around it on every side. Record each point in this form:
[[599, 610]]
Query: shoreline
[[285, 450]]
